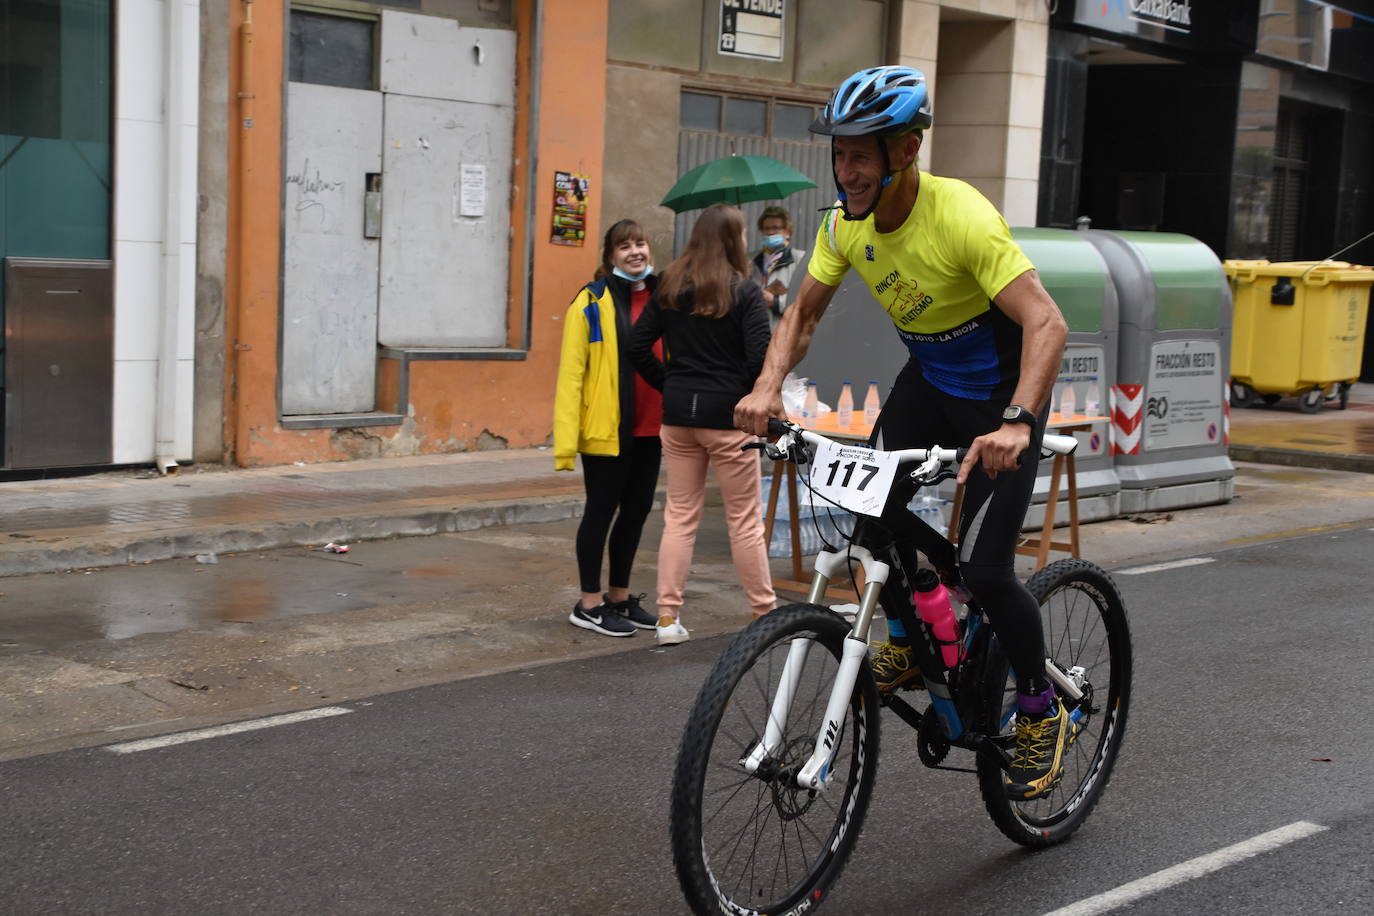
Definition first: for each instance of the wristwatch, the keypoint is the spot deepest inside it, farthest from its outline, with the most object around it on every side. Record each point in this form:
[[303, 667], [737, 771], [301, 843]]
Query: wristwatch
[[1015, 414]]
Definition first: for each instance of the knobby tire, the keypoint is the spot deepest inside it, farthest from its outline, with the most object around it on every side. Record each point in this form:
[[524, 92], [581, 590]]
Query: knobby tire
[[753, 844], [1085, 624]]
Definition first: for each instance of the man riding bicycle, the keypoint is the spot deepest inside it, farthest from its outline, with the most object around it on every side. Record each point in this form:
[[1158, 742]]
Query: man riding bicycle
[[985, 341]]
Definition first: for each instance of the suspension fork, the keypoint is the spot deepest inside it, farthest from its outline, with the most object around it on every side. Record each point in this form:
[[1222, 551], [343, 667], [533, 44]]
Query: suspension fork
[[815, 771]]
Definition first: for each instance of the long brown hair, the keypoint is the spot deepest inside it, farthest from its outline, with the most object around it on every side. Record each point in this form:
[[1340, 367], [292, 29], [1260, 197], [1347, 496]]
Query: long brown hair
[[715, 260], [625, 229]]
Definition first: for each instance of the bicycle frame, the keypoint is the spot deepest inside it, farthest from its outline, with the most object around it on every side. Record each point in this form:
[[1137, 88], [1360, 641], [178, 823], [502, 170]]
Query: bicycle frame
[[814, 774]]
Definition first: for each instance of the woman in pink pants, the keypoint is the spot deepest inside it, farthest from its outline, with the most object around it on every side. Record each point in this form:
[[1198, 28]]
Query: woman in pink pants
[[714, 325]]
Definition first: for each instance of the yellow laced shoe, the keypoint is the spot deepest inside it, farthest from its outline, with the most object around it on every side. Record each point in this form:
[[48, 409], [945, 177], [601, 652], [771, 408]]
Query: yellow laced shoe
[[892, 668], [1037, 760]]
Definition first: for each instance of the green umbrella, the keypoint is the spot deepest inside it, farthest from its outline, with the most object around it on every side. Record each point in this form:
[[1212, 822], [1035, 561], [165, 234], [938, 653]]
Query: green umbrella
[[735, 180]]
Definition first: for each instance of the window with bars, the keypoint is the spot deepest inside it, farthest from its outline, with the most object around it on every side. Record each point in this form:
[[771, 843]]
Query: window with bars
[[747, 116], [717, 124], [1292, 153]]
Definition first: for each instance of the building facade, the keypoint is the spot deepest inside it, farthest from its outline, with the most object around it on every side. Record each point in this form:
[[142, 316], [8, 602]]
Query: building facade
[[1248, 125], [267, 231], [98, 201], [424, 185]]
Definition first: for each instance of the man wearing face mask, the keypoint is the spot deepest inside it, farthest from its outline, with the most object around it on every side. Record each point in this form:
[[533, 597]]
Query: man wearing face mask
[[774, 263]]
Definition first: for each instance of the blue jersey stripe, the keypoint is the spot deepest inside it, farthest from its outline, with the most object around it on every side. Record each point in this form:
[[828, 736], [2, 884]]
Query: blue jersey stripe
[[966, 367]]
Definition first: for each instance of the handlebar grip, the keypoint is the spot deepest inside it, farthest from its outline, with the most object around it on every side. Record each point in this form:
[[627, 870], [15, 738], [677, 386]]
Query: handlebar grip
[[776, 427]]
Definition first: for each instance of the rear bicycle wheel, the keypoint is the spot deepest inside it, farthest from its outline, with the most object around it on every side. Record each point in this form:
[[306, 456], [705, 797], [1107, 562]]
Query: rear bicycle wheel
[[753, 843], [1085, 626]]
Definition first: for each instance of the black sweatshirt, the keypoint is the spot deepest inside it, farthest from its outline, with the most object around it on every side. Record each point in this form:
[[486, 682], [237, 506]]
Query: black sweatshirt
[[711, 362]]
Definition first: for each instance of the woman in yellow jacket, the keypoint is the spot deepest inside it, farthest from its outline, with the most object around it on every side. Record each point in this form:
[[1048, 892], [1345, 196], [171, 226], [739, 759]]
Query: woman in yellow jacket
[[605, 411]]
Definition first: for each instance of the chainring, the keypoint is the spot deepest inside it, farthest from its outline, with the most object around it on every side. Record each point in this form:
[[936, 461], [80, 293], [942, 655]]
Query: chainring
[[931, 743]]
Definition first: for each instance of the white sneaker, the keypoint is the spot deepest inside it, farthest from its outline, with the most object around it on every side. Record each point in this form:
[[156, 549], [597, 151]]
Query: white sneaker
[[672, 634]]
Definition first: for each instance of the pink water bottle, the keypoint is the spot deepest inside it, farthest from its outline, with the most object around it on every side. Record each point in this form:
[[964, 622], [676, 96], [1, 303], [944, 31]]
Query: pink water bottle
[[932, 602]]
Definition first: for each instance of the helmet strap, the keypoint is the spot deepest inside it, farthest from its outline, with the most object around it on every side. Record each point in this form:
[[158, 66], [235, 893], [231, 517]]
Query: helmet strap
[[889, 172]]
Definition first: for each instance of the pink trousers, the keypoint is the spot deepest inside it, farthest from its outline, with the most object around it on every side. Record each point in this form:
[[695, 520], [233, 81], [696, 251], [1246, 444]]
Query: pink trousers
[[687, 451]]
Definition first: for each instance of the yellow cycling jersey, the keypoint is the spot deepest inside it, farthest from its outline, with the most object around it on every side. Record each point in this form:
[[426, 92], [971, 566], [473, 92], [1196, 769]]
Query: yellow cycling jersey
[[936, 276]]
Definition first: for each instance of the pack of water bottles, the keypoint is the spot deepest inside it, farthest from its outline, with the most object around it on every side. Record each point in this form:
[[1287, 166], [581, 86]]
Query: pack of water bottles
[[932, 510], [818, 522]]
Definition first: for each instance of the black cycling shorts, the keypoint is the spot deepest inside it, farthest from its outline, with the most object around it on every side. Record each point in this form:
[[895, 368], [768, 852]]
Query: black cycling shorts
[[919, 415]]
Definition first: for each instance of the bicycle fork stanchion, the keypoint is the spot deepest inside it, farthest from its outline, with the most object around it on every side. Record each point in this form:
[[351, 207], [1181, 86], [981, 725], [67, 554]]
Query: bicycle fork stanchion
[[782, 702], [815, 771]]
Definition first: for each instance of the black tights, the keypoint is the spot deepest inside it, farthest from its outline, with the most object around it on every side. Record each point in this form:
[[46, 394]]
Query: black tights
[[917, 415], [621, 489]]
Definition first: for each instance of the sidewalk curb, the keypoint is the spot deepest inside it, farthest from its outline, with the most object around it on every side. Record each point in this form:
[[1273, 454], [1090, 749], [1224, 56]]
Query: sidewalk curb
[[79, 553], [1292, 457]]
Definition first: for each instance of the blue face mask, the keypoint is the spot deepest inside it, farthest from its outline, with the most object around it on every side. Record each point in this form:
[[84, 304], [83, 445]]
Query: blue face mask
[[633, 278], [774, 242]]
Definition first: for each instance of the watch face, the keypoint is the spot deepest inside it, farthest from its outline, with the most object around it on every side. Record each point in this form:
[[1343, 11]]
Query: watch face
[[1016, 414]]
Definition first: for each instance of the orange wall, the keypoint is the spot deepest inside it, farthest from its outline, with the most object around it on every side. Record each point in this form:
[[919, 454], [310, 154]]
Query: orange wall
[[454, 405]]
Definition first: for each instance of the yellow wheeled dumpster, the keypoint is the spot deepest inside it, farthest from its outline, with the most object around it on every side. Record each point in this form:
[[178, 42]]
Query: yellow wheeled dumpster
[[1297, 330]]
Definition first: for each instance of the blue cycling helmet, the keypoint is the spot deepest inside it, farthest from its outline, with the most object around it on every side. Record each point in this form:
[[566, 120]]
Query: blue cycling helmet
[[879, 100]]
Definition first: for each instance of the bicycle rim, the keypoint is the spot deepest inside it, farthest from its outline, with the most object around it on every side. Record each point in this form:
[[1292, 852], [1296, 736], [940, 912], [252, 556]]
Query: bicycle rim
[[1085, 625], [755, 843]]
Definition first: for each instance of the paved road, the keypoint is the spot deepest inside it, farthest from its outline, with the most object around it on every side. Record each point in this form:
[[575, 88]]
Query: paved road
[[544, 790]]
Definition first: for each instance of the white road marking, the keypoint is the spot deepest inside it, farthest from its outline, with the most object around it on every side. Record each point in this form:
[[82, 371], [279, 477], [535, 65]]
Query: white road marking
[[148, 744], [1187, 871], [1160, 567]]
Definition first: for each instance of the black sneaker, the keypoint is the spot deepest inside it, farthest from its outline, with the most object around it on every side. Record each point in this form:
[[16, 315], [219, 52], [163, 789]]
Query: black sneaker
[[1037, 760], [631, 610], [600, 619]]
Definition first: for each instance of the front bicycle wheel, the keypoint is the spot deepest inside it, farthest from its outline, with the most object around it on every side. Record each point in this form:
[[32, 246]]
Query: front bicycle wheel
[[753, 842], [1085, 627]]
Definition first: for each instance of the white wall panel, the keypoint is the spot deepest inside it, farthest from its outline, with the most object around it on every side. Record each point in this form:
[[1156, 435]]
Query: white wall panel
[[137, 292], [139, 177], [444, 275], [186, 324], [439, 59], [329, 335], [139, 61], [135, 395], [186, 384]]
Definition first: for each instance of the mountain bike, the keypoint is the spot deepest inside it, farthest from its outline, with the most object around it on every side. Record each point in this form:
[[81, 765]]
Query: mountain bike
[[778, 759]]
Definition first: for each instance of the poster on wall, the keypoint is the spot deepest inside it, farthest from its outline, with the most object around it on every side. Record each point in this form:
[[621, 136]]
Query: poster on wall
[[752, 28], [1079, 393], [1183, 394], [569, 208]]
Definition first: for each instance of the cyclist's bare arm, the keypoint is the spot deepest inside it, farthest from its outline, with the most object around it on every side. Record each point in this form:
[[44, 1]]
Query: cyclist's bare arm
[[1043, 332], [790, 341]]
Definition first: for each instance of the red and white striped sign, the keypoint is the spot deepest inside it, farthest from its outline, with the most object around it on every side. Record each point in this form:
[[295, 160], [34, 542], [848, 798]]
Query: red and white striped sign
[[1128, 409]]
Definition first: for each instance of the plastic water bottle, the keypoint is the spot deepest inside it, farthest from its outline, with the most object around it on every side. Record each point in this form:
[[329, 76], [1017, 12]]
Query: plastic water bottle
[[811, 406], [1092, 400], [846, 407], [932, 602], [1067, 407], [871, 404]]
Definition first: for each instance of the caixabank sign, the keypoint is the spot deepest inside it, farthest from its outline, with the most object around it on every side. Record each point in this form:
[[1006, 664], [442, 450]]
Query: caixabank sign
[[1145, 18]]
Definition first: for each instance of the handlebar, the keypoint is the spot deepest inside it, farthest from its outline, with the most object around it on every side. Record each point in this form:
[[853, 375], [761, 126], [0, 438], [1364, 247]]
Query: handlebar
[[781, 429]]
